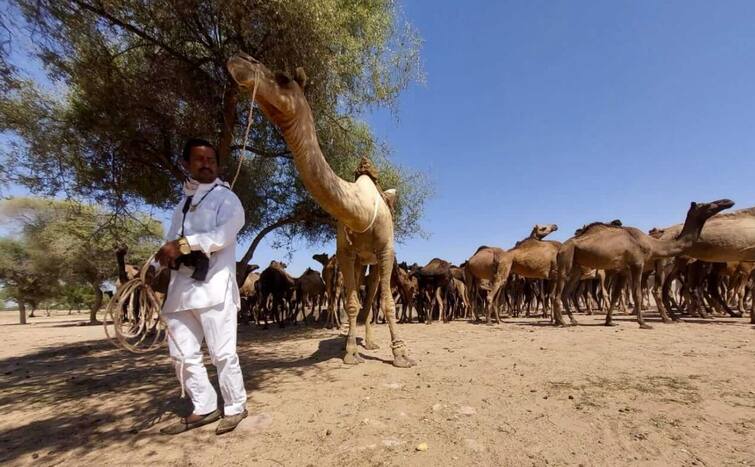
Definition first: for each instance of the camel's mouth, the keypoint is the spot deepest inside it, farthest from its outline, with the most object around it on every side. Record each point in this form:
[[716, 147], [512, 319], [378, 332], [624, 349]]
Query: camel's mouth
[[722, 204], [245, 69]]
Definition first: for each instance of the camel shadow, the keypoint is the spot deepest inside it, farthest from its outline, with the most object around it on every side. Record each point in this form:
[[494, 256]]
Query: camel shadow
[[93, 394]]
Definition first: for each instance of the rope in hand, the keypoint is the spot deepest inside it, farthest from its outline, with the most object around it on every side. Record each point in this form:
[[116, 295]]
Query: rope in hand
[[143, 331], [248, 127]]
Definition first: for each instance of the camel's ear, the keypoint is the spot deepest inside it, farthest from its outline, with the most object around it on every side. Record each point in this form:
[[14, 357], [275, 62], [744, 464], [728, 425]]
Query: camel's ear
[[692, 205], [390, 194], [253, 267], [301, 77]]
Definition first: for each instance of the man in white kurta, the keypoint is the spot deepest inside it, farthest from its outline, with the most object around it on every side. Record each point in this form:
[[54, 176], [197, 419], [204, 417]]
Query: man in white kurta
[[207, 220]]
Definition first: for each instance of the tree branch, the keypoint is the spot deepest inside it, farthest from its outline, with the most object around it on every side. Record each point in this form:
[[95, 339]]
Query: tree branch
[[133, 29]]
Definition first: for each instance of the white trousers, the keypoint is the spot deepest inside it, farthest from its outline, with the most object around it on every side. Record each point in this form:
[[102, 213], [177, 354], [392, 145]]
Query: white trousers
[[217, 326]]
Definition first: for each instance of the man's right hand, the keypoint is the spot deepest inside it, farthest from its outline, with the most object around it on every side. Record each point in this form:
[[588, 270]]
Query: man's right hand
[[168, 253]]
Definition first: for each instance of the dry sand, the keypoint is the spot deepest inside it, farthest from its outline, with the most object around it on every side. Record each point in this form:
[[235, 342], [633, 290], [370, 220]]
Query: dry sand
[[520, 393]]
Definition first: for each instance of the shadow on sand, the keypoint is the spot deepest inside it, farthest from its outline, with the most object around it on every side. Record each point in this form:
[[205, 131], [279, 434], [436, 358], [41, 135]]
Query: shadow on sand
[[78, 379]]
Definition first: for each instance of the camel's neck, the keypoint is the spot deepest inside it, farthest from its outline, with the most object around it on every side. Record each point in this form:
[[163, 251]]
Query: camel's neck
[[341, 199], [683, 242], [121, 259]]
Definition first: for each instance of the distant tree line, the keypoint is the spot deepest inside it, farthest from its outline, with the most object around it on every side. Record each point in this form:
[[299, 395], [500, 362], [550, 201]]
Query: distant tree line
[[60, 253]]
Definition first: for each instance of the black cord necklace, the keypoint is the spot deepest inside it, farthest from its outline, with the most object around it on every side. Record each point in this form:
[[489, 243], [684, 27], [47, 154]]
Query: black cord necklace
[[192, 207]]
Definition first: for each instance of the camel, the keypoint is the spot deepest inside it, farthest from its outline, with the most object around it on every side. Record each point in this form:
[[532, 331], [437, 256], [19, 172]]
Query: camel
[[726, 237], [535, 258], [248, 292], [407, 287], [491, 265], [434, 280], [626, 249], [333, 285], [532, 258], [277, 284], [309, 287], [365, 222], [126, 272]]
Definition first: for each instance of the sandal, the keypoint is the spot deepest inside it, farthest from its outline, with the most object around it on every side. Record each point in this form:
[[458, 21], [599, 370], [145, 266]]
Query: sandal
[[182, 425]]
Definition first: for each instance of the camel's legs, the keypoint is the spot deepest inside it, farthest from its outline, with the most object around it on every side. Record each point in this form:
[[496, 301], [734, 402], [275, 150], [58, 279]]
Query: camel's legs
[[385, 266], [636, 272], [346, 261], [618, 284], [499, 281], [441, 308], [372, 286]]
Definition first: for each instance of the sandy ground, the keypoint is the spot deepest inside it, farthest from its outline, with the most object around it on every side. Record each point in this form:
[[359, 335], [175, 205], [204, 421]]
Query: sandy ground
[[520, 393]]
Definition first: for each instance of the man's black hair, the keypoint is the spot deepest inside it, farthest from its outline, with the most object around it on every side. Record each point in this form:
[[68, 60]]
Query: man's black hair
[[196, 143]]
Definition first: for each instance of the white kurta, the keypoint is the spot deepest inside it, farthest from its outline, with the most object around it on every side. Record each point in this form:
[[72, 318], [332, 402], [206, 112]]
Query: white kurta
[[211, 228], [206, 311]]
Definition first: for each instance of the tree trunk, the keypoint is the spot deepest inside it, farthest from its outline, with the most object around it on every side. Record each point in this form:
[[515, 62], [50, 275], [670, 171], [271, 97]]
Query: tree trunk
[[96, 305], [22, 312], [279, 223]]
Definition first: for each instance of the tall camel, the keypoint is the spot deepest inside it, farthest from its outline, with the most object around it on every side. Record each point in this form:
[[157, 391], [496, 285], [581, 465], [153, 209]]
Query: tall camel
[[365, 222], [609, 247]]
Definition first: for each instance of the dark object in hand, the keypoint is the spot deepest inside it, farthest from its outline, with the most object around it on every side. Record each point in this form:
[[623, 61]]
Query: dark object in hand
[[197, 260]]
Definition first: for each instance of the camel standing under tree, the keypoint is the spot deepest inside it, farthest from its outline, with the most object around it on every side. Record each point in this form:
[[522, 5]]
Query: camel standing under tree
[[625, 249], [365, 222]]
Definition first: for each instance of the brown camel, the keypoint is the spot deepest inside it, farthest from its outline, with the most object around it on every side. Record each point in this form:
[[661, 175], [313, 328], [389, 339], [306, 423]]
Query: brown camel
[[407, 287], [365, 223], [489, 265], [434, 279], [333, 278], [613, 248], [248, 292], [126, 272], [309, 288], [535, 258], [276, 284], [726, 237]]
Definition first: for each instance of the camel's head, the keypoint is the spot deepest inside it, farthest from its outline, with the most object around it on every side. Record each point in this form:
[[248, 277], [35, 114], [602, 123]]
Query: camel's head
[[279, 96], [278, 264], [540, 231], [322, 258], [703, 211]]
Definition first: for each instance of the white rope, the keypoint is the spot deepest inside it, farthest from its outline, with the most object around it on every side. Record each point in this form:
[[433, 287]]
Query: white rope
[[248, 127], [374, 216], [145, 332]]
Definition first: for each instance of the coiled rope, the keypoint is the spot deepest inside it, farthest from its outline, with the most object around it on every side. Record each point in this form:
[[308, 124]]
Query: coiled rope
[[144, 331]]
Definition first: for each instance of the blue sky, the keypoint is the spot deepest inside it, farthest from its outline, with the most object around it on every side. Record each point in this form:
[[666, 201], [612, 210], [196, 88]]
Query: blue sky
[[570, 112]]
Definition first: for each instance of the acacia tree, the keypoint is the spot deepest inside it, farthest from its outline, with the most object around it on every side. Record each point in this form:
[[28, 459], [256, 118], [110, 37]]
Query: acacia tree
[[140, 77], [24, 275], [76, 242]]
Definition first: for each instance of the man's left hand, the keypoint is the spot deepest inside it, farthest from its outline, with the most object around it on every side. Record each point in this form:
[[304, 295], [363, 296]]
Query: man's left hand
[[168, 253]]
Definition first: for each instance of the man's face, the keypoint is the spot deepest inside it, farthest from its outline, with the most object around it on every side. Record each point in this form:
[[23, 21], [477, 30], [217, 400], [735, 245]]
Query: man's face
[[203, 164]]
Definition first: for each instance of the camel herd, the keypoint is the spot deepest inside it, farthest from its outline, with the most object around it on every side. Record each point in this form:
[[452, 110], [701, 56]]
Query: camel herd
[[703, 266], [697, 267], [365, 237]]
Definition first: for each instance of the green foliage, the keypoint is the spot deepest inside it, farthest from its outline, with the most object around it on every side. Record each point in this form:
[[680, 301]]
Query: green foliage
[[61, 247], [140, 77]]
